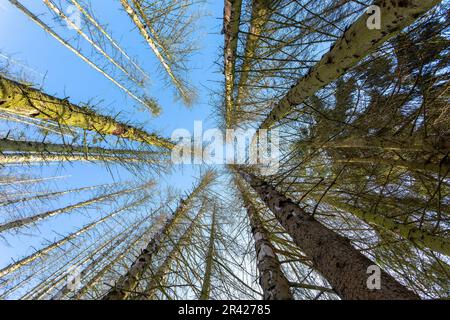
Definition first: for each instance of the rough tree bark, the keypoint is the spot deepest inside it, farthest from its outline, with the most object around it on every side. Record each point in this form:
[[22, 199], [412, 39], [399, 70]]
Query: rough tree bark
[[332, 255], [272, 280], [231, 21]]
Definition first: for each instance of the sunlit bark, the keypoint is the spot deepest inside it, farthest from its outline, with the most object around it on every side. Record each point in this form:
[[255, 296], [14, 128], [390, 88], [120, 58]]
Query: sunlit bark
[[22, 99], [355, 44]]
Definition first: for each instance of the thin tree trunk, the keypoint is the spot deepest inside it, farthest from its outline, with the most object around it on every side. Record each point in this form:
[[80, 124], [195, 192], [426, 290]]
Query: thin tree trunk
[[110, 264], [148, 25], [42, 147], [110, 244], [46, 195], [32, 180], [357, 42], [272, 279], [21, 99], [332, 255], [160, 274], [47, 285], [94, 22], [49, 30], [110, 247], [206, 285], [370, 143], [29, 220], [442, 167], [44, 251], [45, 126], [397, 201], [39, 152], [231, 22], [419, 237], [261, 11], [153, 45], [19, 159], [66, 289], [77, 28], [127, 283]]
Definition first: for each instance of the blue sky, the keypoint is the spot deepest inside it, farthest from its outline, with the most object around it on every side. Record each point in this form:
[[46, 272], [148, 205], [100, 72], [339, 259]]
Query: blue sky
[[63, 74]]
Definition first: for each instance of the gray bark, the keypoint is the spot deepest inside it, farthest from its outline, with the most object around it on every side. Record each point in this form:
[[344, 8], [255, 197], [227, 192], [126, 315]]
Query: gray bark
[[332, 255]]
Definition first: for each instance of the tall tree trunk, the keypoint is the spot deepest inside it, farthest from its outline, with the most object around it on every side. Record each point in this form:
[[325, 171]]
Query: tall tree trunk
[[206, 285], [80, 293], [140, 10], [50, 31], [21, 99], [442, 167], [47, 285], [409, 202], [272, 280], [29, 220], [96, 46], [30, 181], [114, 43], [357, 142], [37, 158], [68, 149], [154, 46], [332, 255], [30, 152], [47, 195], [231, 22], [159, 275], [357, 42], [261, 11], [419, 237], [92, 261], [38, 123], [42, 252], [127, 283], [60, 275]]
